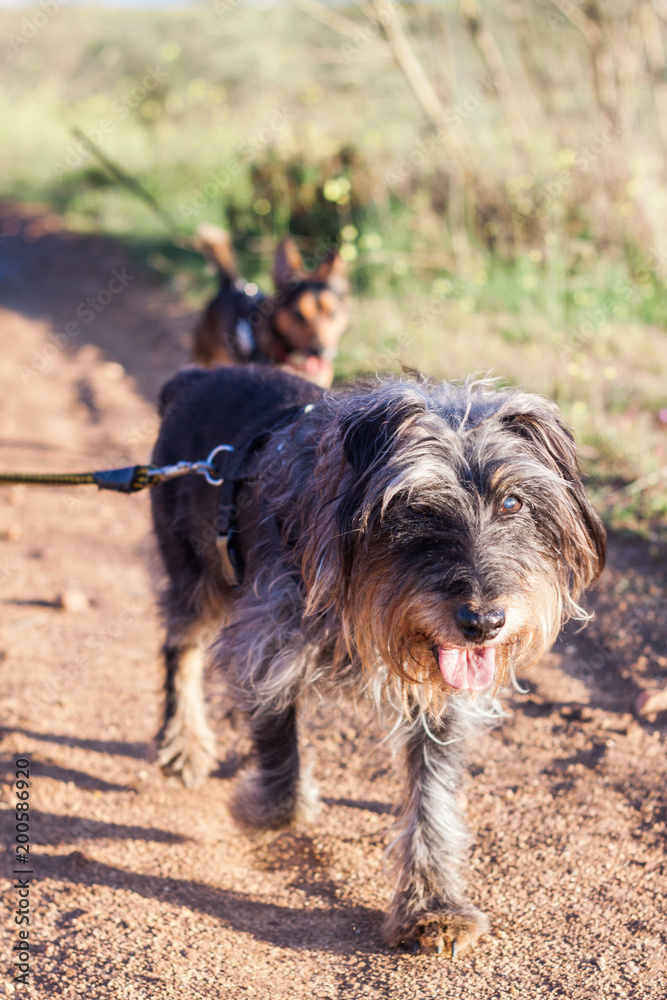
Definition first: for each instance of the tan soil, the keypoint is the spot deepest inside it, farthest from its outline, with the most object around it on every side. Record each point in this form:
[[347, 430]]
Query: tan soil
[[144, 889]]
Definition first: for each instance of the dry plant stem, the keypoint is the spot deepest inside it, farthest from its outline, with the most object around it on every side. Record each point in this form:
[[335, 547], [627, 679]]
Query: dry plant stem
[[421, 86], [522, 20], [397, 45], [601, 59], [655, 54], [434, 109], [494, 63], [578, 19], [343, 25]]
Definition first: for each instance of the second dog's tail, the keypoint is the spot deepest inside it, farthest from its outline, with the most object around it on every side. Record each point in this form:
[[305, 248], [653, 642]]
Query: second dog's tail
[[216, 244]]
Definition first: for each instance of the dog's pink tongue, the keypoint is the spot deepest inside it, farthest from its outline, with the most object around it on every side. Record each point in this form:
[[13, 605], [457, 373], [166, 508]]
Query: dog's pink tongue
[[319, 370], [313, 365], [467, 669]]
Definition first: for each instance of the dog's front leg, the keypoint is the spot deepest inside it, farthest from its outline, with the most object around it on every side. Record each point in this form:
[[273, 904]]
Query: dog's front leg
[[429, 908], [187, 745]]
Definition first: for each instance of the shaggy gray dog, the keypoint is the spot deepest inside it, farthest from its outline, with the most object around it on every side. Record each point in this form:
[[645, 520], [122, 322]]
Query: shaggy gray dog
[[404, 542]]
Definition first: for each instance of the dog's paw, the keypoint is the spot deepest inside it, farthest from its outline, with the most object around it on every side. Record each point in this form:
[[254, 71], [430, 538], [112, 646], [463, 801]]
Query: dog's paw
[[189, 756], [441, 932]]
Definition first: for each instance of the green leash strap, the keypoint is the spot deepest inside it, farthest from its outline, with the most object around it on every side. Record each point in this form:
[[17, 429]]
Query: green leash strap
[[130, 480]]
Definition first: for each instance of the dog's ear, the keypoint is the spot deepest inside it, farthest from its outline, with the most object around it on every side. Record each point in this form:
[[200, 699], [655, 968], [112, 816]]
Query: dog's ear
[[366, 434], [288, 265], [370, 433], [583, 537], [333, 272]]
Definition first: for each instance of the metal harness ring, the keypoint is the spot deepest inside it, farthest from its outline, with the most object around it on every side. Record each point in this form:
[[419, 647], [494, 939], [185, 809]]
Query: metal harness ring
[[209, 463]]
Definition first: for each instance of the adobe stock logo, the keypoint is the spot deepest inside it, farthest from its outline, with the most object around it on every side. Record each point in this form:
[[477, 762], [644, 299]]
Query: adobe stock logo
[[32, 25]]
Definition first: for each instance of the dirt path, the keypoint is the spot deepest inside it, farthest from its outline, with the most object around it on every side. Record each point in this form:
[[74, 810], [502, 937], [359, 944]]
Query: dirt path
[[145, 890]]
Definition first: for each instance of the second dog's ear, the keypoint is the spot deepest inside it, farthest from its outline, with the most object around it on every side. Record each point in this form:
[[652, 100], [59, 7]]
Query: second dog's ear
[[288, 265], [333, 272]]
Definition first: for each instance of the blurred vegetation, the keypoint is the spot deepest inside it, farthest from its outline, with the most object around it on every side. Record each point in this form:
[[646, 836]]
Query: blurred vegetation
[[494, 173]]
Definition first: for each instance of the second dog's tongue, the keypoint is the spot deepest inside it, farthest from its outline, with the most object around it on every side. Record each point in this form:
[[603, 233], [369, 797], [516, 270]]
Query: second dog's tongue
[[467, 669]]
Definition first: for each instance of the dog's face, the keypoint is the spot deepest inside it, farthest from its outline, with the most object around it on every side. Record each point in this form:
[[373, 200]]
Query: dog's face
[[311, 311], [465, 535]]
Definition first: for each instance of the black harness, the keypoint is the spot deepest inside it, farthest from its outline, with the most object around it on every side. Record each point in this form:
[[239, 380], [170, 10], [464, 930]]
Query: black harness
[[240, 465], [248, 301]]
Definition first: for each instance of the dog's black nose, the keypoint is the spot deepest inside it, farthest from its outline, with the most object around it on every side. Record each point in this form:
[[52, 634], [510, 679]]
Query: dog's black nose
[[479, 625]]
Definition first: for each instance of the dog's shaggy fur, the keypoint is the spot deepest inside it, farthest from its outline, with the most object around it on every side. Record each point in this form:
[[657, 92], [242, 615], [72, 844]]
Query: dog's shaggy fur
[[402, 539]]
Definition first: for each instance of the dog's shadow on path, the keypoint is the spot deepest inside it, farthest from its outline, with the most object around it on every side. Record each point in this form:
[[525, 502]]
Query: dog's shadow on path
[[342, 927], [54, 828], [88, 782], [116, 748]]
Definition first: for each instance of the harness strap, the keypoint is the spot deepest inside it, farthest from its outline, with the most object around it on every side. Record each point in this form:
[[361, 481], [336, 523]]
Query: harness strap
[[244, 339], [248, 303], [227, 540]]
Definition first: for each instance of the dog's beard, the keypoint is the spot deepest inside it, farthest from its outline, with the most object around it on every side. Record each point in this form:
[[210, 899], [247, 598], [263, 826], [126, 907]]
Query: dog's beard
[[414, 632]]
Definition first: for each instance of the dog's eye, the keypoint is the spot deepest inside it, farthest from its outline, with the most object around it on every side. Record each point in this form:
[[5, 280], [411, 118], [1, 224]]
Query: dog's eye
[[299, 315], [511, 505]]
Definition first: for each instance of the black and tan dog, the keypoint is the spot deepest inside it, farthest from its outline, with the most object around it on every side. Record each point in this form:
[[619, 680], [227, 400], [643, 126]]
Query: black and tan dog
[[298, 327], [409, 544]]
